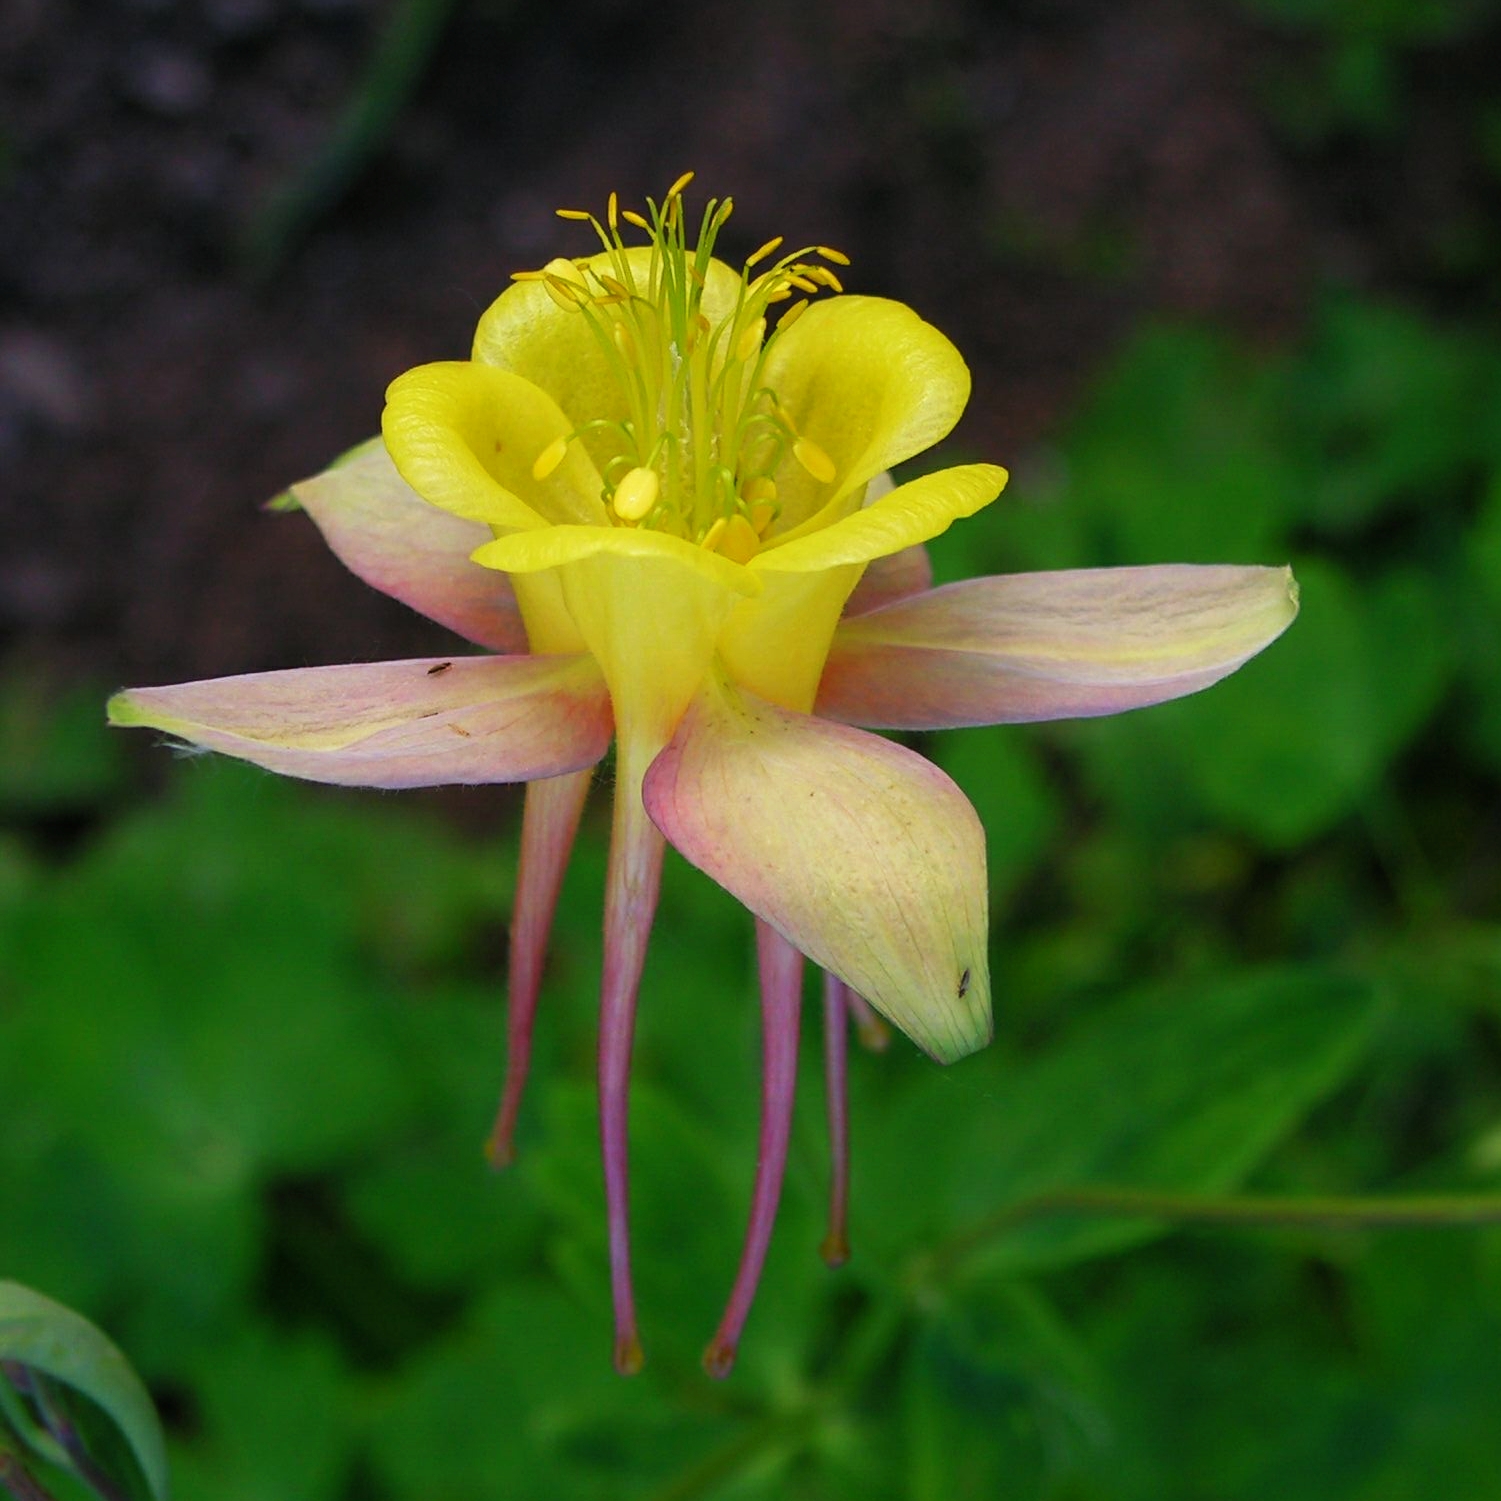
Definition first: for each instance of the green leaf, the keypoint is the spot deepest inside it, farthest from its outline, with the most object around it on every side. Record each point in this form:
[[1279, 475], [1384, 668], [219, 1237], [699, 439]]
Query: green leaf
[[1185, 1089], [1181, 454], [45, 1336], [1399, 412], [55, 752], [1001, 775], [275, 1420]]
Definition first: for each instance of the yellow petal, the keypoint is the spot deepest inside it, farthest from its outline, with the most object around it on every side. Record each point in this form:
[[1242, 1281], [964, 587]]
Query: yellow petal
[[915, 512], [650, 608], [465, 437], [869, 384], [776, 644], [553, 546]]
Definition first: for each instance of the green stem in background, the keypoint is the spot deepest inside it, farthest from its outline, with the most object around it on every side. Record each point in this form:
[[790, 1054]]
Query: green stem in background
[[392, 74], [1437, 1212], [61, 1427], [16, 1481]]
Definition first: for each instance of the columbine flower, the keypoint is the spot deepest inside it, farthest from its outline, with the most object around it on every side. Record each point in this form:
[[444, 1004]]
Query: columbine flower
[[666, 508]]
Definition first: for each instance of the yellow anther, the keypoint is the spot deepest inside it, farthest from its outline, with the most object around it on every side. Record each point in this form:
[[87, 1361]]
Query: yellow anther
[[549, 459], [762, 487], [750, 340], [838, 257], [760, 255], [574, 213], [780, 295], [696, 274], [822, 275], [814, 460], [613, 212], [635, 495], [801, 282], [680, 184], [738, 541], [615, 288], [527, 276], [762, 514], [624, 342], [723, 212], [564, 282], [715, 532], [791, 316], [639, 220]]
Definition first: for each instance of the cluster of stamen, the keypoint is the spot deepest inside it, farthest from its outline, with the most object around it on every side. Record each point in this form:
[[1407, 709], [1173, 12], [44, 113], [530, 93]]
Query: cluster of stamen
[[704, 434]]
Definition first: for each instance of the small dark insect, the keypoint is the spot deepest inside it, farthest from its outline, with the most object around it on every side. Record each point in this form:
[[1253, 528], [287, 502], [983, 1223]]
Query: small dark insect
[[433, 671], [963, 985]]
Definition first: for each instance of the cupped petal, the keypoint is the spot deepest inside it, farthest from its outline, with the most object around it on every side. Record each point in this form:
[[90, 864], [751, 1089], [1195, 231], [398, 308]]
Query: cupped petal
[[871, 384], [1064, 645], [555, 546], [385, 533], [464, 436], [418, 723], [921, 509], [776, 643], [650, 608], [865, 857]]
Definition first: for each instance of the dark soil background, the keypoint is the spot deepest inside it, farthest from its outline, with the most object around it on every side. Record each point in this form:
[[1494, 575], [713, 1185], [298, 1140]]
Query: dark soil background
[[1032, 177]]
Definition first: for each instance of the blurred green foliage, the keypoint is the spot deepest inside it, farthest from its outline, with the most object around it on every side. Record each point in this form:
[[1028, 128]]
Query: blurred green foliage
[[251, 1034]]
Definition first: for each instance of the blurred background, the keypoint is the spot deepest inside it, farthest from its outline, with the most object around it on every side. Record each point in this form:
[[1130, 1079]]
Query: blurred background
[[1228, 276]]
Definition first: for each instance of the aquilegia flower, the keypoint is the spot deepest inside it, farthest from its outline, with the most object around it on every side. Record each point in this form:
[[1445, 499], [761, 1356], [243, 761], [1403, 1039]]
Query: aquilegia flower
[[671, 521]]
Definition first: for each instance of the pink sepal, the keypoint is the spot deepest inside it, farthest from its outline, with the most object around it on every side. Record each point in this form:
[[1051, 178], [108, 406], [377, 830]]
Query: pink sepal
[[420, 723], [1064, 645], [385, 533]]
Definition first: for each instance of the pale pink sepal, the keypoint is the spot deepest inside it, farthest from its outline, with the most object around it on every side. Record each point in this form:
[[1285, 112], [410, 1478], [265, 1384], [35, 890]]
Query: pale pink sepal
[[781, 1005], [549, 821], [896, 576], [1063, 645], [418, 723], [632, 882], [866, 857], [385, 533]]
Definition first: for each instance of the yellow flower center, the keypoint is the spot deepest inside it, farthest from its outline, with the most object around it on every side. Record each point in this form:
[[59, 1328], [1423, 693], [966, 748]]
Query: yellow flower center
[[704, 433]]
